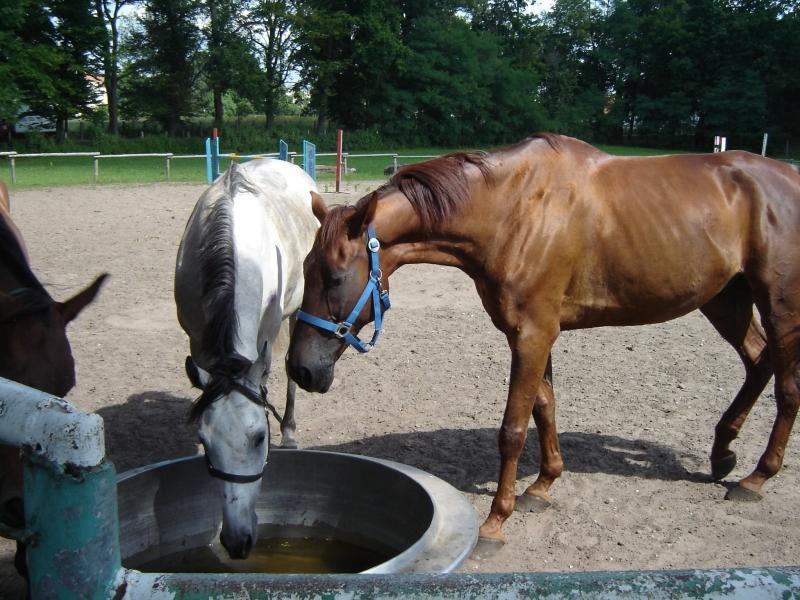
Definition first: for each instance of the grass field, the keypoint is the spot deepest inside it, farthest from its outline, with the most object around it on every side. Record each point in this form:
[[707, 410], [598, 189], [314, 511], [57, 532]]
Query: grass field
[[57, 171]]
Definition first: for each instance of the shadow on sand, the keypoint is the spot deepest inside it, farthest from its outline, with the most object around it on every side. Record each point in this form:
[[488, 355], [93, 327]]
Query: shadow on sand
[[468, 458], [150, 427]]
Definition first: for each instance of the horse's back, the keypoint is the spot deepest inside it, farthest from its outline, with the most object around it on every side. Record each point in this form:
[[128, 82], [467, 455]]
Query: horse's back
[[671, 229], [286, 198], [280, 177], [272, 229]]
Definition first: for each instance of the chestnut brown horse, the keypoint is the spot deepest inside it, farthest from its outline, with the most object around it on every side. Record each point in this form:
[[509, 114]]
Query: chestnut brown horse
[[33, 344], [558, 235]]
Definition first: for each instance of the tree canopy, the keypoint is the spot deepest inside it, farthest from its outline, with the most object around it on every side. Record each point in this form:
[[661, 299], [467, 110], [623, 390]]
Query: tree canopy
[[419, 72]]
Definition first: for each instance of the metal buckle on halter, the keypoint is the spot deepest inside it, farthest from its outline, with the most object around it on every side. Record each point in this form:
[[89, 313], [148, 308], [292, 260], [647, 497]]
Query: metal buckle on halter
[[373, 244], [342, 329]]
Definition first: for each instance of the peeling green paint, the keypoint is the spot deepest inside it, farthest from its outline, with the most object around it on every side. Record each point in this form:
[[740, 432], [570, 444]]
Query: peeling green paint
[[782, 582], [74, 512]]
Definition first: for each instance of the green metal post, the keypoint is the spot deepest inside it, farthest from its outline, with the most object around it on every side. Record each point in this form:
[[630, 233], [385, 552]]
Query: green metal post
[[73, 514]]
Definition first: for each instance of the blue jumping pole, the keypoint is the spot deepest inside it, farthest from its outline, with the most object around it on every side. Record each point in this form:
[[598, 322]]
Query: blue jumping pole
[[209, 168], [212, 158], [215, 156], [310, 159], [283, 150]]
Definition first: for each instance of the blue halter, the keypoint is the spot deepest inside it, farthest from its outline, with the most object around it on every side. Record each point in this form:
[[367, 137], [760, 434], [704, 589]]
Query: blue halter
[[373, 288]]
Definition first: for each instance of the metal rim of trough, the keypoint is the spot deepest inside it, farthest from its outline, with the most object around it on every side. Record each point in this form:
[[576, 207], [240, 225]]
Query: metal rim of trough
[[445, 539]]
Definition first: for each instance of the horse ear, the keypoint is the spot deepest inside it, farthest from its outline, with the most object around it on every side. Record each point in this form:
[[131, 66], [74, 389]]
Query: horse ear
[[358, 221], [72, 307], [318, 206]]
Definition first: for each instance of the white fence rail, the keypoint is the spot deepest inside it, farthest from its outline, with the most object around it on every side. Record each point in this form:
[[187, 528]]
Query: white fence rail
[[166, 156], [97, 156]]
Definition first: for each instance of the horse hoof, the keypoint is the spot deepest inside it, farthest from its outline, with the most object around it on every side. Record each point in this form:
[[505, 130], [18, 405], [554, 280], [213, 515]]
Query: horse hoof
[[742, 494], [722, 466], [486, 548], [289, 444], [532, 503]]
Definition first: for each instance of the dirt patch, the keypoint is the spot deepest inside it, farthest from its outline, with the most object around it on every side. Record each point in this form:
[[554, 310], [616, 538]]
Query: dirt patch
[[636, 406]]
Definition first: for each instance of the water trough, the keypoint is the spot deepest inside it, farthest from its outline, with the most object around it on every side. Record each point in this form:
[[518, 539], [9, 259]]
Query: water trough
[[403, 519]]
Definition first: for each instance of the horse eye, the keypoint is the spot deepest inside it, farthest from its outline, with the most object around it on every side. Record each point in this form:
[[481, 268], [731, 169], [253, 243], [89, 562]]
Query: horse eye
[[259, 439]]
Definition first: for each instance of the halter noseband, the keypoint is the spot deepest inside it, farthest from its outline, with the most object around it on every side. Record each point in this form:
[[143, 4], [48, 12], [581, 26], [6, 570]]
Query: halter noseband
[[374, 289], [222, 384]]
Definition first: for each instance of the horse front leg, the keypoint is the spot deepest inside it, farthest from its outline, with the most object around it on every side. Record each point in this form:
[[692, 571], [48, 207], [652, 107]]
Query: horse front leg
[[530, 350], [288, 425], [536, 498]]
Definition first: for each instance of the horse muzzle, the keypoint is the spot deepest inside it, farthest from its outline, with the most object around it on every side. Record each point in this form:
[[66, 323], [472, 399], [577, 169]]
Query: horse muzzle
[[238, 547], [317, 379], [312, 357], [239, 533]]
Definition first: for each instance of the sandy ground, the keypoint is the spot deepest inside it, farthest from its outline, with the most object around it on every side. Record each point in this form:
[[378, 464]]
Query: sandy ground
[[636, 406]]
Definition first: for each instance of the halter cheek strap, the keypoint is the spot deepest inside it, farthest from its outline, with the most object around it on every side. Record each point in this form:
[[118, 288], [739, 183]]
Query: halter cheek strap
[[373, 289], [231, 477], [222, 385]]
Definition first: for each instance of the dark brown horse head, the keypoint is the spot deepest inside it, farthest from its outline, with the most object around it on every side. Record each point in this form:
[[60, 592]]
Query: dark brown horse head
[[34, 349], [336, 272]]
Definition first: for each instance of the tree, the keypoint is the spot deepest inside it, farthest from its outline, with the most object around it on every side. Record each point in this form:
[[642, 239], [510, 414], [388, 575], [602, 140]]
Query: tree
[[15, 57], [271, 32], [46, 47], [229, 63], [108, 12], [324, 49], [518, 30], [574, 87], [163, 70]]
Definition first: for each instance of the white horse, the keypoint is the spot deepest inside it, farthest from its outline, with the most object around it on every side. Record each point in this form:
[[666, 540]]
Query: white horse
[[238, 284]]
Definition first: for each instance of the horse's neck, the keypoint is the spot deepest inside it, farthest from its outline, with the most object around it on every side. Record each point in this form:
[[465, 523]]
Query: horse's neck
[[271, 239], [279, 232], [406, 242], [464, 240]]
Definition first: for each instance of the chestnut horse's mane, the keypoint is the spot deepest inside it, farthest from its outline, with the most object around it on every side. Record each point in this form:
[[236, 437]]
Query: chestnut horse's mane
[[437, 189]]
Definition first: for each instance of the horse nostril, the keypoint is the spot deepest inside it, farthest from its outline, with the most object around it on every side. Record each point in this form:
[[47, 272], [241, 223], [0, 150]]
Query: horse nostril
[[238, 550]]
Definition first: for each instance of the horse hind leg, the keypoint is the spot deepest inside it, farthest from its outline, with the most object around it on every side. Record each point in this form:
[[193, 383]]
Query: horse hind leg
[[780, 308], [731, 314]]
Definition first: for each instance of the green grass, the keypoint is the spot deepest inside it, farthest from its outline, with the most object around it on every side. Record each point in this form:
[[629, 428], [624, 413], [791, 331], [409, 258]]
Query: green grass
[[58, 171]]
